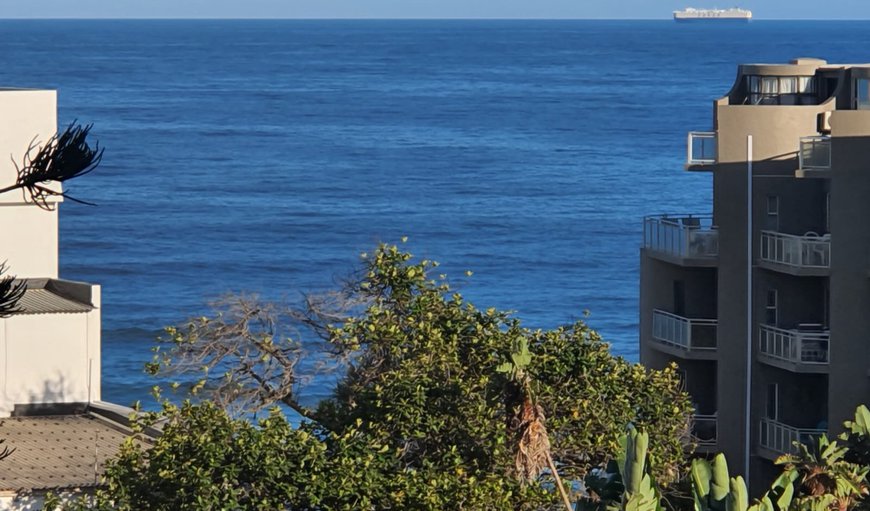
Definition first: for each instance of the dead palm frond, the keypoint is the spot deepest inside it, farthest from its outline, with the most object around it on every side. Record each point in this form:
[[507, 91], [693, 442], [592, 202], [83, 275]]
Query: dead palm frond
[[533, 443], [11, 292], [64, 156], [528, 422]]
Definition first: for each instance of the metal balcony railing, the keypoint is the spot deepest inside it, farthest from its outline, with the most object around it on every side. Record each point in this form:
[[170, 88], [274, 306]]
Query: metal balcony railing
[[681, 236], [815, 153], [702, 148], [705, 430], [684, 333], [808, 345], [807, 251], [780, 438]]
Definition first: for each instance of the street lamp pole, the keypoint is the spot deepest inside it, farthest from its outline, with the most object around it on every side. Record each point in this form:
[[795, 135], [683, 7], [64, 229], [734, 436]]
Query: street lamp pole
[[748, 396]]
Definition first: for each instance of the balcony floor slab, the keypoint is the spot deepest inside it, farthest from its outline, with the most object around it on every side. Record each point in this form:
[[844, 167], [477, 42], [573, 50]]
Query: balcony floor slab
[[768, 454], [695, 262], [700, 167], [812, 174], [797, 271], [682, 352], [795, 367]]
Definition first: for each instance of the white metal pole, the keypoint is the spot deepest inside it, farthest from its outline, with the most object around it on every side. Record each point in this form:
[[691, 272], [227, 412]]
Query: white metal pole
[[748, 395]]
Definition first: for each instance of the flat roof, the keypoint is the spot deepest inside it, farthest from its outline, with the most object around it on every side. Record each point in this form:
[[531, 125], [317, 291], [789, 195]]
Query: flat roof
[[55, 452]]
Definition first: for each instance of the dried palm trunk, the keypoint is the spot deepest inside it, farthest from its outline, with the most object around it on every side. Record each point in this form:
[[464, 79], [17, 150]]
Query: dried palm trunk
[[533, 446]]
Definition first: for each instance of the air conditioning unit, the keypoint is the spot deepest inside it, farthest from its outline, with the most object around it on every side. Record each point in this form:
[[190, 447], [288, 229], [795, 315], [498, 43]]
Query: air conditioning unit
[[823, 123]]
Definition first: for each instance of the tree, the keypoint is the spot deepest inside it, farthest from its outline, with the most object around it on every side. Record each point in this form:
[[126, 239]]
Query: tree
[[420, 374], [206, 460]]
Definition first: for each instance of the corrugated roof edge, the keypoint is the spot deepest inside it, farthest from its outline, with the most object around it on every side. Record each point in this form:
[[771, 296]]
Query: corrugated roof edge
[[56, 296]]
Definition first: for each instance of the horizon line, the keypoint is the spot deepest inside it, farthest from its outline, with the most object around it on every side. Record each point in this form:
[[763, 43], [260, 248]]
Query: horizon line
[[361, 18]]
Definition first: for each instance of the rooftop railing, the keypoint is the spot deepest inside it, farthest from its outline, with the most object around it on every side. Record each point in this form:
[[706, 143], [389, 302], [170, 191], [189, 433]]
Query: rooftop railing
[[780, 438], [702, 148], [806, 345], [815, 153], [681, 236], [684, 333], [807, 251]]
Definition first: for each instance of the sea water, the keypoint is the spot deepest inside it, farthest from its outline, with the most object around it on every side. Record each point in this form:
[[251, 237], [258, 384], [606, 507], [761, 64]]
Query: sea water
[[264, 156]]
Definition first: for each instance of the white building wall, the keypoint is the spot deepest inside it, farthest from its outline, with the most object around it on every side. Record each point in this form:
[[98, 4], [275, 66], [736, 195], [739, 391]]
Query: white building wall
[[49, 358], [29, 246], [29, 240], [94, 348]]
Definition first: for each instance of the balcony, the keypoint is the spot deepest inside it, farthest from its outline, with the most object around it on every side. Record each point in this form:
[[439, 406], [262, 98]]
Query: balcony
[[684, 337], [809, 254], [814, 156], [776, 438], [802, 350], [705, 432], [684, 240], [702, 150]]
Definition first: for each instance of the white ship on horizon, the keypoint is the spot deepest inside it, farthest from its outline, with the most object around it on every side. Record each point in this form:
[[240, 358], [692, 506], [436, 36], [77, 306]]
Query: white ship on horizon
[[733, 14]]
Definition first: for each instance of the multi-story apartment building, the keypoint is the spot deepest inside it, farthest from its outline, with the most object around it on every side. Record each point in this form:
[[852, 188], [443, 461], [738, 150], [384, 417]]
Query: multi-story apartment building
[[765, 304]]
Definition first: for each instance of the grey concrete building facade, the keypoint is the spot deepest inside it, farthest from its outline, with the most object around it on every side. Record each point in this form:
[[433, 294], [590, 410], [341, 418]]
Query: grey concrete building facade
[[765, 304]]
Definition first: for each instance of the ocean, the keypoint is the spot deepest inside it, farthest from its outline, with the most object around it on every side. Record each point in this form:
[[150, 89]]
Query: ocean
[[265, 156]]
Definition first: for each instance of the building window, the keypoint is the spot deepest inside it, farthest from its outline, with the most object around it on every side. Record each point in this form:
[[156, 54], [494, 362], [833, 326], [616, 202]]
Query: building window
[[828, 212], [772, 408], [862, 94], [772, 222], [771, 308], [773, 205], [679, 298], [683, 377], [826, 303], [781, 90]]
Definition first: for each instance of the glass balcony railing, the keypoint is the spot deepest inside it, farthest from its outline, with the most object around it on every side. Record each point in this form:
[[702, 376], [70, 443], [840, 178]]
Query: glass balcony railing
[[780, 438], [684, 333], [702, 148], [815, 153], [809, 251], [808, 344], [681, 236]]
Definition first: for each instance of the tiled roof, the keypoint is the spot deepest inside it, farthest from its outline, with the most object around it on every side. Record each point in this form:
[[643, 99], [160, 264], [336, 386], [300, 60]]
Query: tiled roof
[[56, 451], [42, 297]]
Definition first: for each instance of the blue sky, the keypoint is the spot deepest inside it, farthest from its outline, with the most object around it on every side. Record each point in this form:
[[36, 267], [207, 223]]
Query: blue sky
[[763, 9]]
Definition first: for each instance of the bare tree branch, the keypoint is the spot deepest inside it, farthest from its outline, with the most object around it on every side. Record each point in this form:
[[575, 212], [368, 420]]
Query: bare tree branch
[[244, 361]]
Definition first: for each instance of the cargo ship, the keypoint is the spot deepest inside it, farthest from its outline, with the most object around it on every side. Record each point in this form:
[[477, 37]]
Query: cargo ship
[[733, 14]]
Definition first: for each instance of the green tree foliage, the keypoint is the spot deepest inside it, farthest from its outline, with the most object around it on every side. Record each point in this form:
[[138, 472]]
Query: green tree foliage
[[424, 416], [857, 437], [206, 460], [422, 373], [827, 481]]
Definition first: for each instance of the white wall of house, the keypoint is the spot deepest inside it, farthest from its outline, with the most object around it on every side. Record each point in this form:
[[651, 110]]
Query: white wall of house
[[44, 358], [29, 246], [50, 358], [29, 240]]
